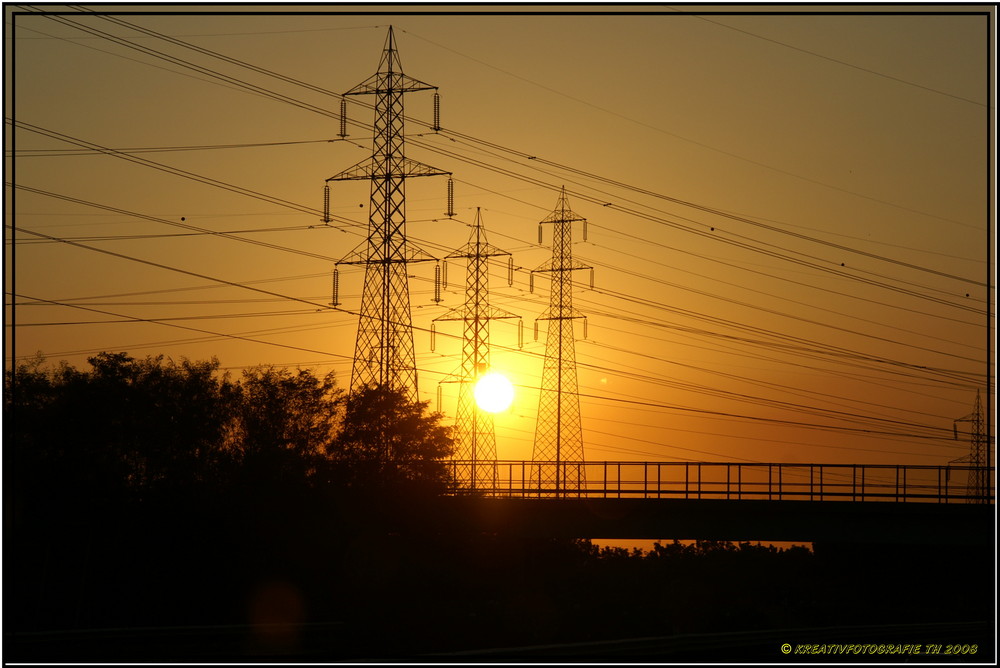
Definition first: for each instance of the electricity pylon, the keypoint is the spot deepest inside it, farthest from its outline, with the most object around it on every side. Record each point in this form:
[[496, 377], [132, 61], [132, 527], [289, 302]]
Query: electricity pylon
[[383, 353], [558, 451], [978, 488], [475, 439]]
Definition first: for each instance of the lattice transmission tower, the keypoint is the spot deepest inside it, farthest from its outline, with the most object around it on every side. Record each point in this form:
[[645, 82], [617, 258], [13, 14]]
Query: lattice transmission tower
[[978, 488], [475, 439], [558, 450], [383, 353]]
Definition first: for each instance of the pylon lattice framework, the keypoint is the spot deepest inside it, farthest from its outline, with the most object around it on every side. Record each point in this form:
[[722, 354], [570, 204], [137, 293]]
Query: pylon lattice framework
[[978, 487], [475, 439], [557, 457], [384, 353]]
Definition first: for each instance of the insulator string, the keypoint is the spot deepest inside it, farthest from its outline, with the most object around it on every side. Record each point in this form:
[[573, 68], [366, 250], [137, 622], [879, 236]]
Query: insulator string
[[437, 284]]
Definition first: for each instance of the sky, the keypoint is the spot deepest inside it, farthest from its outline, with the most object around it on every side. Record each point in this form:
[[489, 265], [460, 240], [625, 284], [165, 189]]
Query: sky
[[790, 216]]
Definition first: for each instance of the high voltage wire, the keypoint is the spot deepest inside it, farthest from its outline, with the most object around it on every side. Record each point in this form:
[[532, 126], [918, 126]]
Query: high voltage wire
[[796, 344], [825, 268], [216, 316], [175, 235], [843, 62], [719, 212], [159, 220], [761, 292], [314, 210], [165, 221], [241, 63], [746, 245], [174, 223], [48, 153], [158, 265], [324, 91], [720, 414], [740, 302], [653, 242], [752, 381], [170, 170], [802, 344], [819, 267], [744, 354], [604, 369], [696, 143]]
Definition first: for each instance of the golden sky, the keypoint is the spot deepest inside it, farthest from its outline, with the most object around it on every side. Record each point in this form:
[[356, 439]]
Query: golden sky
[[788, 213]]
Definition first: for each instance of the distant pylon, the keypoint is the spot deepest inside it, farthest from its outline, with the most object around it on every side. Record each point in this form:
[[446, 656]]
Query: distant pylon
[[558, 452], [383, 353], [475, 439], [978, 488]]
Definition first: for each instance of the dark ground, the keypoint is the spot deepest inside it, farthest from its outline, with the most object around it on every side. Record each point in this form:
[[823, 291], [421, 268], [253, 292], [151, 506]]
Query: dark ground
[[276, 582]]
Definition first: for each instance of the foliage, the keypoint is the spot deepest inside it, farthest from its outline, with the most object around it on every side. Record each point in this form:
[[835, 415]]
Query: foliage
[[387, 441], [129, 429], [283, 422], [125, 428]]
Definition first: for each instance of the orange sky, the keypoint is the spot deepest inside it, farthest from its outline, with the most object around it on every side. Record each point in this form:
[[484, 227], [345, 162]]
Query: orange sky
[[788, 214]]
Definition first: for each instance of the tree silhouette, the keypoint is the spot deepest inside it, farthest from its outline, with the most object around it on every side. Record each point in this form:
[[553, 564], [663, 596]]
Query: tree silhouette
[[283, 423], [387, 441], [125, 429]]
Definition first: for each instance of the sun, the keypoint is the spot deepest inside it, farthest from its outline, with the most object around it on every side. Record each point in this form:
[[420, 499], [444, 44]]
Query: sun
[[493, 392]]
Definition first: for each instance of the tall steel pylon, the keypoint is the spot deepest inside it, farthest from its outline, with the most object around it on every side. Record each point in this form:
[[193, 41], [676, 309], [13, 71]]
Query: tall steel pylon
[[979, 473], [558, 449], [383, 353], [475, 439]]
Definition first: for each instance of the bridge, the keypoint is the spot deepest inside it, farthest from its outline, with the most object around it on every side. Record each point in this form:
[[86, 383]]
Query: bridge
[[817, 503]]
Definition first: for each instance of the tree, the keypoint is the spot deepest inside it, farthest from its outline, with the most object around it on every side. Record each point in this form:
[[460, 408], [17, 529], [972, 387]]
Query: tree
[[386, 441], [284, 422], [122, 430]]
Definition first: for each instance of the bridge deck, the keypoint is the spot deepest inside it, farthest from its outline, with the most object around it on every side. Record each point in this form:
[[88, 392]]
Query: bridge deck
[[711, 519]]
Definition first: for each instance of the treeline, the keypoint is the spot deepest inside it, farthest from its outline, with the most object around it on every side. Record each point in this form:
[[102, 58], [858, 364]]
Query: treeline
[[151, 491], [127, 431], [253, 515]]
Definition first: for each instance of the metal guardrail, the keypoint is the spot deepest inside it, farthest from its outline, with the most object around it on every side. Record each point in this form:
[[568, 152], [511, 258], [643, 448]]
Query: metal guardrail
[[718, 480]]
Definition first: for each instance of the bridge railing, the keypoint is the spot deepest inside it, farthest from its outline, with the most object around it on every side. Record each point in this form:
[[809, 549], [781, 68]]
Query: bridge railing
[[717, 480]]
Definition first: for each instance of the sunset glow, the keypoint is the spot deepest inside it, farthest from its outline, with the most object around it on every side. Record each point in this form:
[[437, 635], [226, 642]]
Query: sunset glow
[[494, 393]]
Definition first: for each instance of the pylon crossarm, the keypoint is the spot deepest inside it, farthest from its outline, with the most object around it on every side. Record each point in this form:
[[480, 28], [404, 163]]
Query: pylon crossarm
[[369, 168], [561, 313], [561, 216], [553, 265], [468, 313], [400, 83]]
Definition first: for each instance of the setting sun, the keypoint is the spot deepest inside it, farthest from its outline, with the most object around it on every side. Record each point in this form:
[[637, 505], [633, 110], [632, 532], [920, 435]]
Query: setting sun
[[494, 392]]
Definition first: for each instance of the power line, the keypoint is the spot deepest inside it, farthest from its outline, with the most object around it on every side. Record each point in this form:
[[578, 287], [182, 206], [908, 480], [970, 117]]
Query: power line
[[48, 153], [322, 307], [563, 167], [843, 62]]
